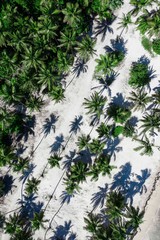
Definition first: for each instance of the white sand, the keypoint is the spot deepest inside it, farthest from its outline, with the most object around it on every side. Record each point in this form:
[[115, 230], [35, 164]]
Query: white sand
[[79, 89]]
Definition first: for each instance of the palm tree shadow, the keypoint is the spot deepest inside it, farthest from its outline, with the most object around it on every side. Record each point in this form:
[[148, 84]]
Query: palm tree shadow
[[99, 198], [8, 184], [103, 27], [117, 44], [63, 232], [49, 124], [121, 179], [112, 147], [75, 124], [120, 101], [27, 172], [27, 128], [129, 183], [106, 82], [133, 121], [21, 149], [30, 205], [151, 71], [69, 159], [65, 197], [137, 186], [79, 67], [56, 146], [84, 156]]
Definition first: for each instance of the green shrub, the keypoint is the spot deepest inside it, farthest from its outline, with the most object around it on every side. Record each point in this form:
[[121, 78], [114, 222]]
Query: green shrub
[[147, 44], [156, 46], [117, 131], [139, 74]]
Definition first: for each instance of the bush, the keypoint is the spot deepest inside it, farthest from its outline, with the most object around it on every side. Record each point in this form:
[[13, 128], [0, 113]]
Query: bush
[[156, 46], [139, 74], [147, 44], [117, 131]]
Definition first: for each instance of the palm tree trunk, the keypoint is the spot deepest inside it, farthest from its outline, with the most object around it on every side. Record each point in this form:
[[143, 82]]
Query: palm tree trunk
[[121, 32], [49, 227], [51, 196]]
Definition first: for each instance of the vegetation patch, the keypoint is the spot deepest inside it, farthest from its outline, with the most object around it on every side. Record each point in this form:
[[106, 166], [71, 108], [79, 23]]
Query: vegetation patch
[[139, 74], [118, 113], [156, 46]]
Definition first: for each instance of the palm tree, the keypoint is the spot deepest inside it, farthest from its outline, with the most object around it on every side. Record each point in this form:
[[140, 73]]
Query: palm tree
[[32, 59], [115, 205], [125, 21], [104, 131], [145, 146], [135, 216], [83, 141], [17, 227], [149, 22], [85, 48], [67, 40], [128, 130], [105, 64], [72, 14], [64, 62], [96, 146], [119, 113], [13, 223], [78, 172], [46, 78], [95, 104], [34, 103], [71, 186], [37, 220], [32, 186], [18, 41], [57, 93], [93, 223], [119, 230], [151, 121], [20, 164], [10, 93], [47, 28], [54, 160], [101, 165], [156, 98], [7, 156], [139, 4], [140, 99]]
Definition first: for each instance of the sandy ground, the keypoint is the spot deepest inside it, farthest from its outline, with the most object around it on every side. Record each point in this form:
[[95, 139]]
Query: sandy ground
[[134, 171]]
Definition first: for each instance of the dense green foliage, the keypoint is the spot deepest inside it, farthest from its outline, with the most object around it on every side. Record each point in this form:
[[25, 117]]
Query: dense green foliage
[[149, 22], [139, 74], [117, 131], [156, 46], [118, 113], [122, 219], [107, 62], [39, 42]]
